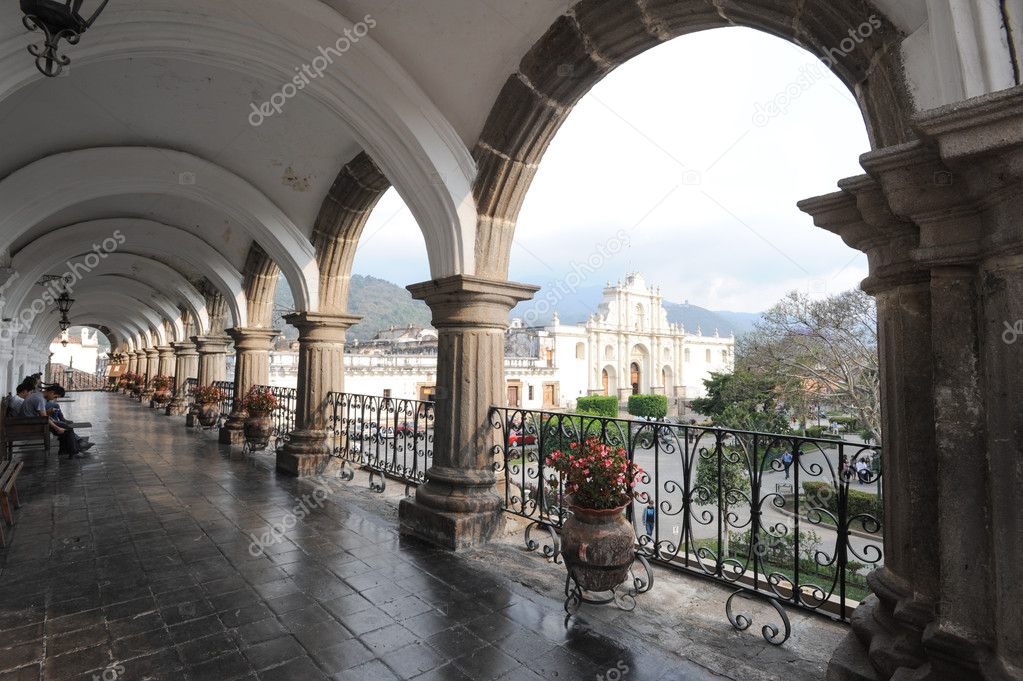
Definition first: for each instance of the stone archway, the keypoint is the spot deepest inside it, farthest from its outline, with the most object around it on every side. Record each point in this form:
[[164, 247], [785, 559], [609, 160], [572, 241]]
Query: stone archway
[[597, 36]]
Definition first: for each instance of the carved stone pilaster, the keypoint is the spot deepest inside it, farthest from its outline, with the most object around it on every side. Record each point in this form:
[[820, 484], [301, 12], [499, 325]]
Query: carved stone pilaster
[[251, 367], [321, 349], [458, 507]]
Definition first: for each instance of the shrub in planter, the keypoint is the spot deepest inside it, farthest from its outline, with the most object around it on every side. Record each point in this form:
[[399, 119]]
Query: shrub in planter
[[259, 403], [597, 405], [598, 543], [648, 406], [161, 386], [207, 402]]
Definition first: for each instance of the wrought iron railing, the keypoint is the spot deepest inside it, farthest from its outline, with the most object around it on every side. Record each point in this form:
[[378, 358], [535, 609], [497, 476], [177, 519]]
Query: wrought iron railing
[[726, 504], [389, 437], [283, 417], [189, 393], [227, 404]]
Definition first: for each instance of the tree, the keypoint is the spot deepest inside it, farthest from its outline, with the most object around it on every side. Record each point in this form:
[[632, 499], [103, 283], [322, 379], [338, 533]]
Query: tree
[[742, 386], [820, 350]]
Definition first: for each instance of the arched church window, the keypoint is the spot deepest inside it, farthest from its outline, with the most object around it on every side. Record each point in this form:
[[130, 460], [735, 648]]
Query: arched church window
[[580, 351]]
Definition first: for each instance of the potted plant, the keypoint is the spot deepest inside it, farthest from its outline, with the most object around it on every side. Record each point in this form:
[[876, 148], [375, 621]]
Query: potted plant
[[207, 401], [161, 386], [598, 542], [258, 403]]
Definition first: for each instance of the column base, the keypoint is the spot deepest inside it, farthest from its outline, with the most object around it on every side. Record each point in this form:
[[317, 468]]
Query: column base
[[233, 430], [850, 662], [304, 454], [454, 509]]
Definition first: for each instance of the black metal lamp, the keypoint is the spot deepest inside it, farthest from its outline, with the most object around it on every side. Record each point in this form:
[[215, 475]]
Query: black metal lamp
[[58, 20], [64, 303]]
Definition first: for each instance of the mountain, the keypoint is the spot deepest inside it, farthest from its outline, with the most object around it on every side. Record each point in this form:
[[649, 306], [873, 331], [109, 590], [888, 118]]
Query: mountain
[[576, 306], [380, 303]]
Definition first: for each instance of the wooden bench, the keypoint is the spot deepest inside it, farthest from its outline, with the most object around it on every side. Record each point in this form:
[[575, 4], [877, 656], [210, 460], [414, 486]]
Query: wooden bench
[[34, 430], [8, 494]]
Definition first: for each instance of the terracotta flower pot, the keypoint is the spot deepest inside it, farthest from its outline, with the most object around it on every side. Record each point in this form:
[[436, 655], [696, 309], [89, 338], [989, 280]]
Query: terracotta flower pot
[[258, 429], [208, 414], [598, 547], [162, 396]]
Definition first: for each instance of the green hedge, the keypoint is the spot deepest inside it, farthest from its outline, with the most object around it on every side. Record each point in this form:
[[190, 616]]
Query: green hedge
[[597, 405], [825, 496], [655, 406]]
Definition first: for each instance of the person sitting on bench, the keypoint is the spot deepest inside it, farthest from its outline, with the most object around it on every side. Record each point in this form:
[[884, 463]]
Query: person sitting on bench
[[17, 399], [52, 393], [35, 405]]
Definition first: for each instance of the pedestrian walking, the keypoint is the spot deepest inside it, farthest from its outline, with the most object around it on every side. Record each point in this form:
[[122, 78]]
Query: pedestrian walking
[[786, 461], [649, 516]]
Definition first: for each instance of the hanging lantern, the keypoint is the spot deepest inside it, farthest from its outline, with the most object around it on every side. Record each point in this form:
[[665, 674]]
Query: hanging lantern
[[57, 21]]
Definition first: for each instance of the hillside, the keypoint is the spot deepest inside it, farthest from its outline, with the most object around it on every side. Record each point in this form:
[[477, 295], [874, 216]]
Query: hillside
[[380, 303]]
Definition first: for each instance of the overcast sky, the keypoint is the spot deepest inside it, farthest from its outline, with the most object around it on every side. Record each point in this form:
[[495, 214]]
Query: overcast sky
[[669, 153]]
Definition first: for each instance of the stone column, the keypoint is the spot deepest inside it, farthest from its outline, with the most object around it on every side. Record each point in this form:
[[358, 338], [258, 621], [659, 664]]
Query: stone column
[[321, 349], [251, 367], [212, 358], [133, 362], [6, 355], [186, 366], [152, 370], [946, 603], [167, 361], [458, 506], [891, 622]]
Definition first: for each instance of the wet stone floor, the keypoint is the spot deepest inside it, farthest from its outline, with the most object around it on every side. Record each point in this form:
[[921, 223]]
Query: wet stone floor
[[164, 555]]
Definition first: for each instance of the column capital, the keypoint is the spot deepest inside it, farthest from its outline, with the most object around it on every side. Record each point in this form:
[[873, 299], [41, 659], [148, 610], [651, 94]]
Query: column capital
[[211, 345], [151, 352], [184, 348], [861, 216], [471, 302], [252, 338], [165, 349], [317, 326]]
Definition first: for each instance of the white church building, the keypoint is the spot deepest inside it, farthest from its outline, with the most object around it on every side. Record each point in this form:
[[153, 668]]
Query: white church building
[[626, 347]]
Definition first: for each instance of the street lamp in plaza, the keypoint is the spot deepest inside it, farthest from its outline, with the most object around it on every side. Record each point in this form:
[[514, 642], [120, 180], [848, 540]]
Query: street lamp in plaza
[[57, 21]]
